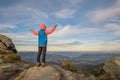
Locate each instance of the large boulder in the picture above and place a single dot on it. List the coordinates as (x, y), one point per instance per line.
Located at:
(112, 67)
(6, 45)
(52, 73)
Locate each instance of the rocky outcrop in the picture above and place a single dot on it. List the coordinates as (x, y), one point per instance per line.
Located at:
(10, 63)
(9, 68)
(52, 73)
(112, 67)
(6, 45)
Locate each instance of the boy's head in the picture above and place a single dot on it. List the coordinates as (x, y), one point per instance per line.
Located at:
(42, 26)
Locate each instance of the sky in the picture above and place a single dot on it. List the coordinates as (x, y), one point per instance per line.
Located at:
(83, 25)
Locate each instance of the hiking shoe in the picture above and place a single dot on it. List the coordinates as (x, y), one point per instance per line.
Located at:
(43, 65)
(38, 64)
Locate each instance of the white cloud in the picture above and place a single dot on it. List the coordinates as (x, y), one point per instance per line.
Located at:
(63, 31)
(38, 12)
(111, 26)
(114, 27)
(77, 31)
(114, 40)
(105, 14)
(101, 15)
(18, 35)
(114, 43)
(21, 15)
(21, 11)
(7, 26)
(22, 38)
(66, 43)
(69, 30)
(27, 42)
(65, 13)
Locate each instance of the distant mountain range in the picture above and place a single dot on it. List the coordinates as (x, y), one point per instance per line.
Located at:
(83, 61)
(87, 61)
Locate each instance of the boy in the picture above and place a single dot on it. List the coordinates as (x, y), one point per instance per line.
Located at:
(42, 42)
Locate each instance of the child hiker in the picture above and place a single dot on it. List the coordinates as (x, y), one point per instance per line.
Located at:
(42, 42)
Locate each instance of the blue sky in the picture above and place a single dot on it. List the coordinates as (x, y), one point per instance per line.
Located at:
(83, 25)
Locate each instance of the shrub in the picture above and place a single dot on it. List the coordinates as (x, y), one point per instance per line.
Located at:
(13, 56)
(68, 66)
(97, 71)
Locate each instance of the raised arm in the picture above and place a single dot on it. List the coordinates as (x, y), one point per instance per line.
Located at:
(51, 30)
(34, 32)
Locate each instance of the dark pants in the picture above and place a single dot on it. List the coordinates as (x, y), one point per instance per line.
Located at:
(41, 50)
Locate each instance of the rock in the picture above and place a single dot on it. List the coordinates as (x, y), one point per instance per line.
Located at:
(6, 45)
(52, 73)
(112, 67)
(1, 60)
(104, 76)
(1, 55)
(8, 67)
(10, 64)
(8, 71)
(23, 65)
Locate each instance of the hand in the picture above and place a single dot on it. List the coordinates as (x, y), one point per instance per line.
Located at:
(56, 25)
(31, 29)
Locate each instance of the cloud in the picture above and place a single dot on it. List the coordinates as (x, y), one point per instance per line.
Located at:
(76, 32)
(67, 44)
(65, 13)
(18, 35)
(21, 15)
(101, 15)
(71, 30)
(116, 20)
(117, 33)
(38, 12)
(113, 39)
(112, 42)
(63, 31)
(26, 42)
(105, 14)
(7, 26)
(113, 27)
(22, 38)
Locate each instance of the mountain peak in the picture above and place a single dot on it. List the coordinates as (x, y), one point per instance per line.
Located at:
(52, 73)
